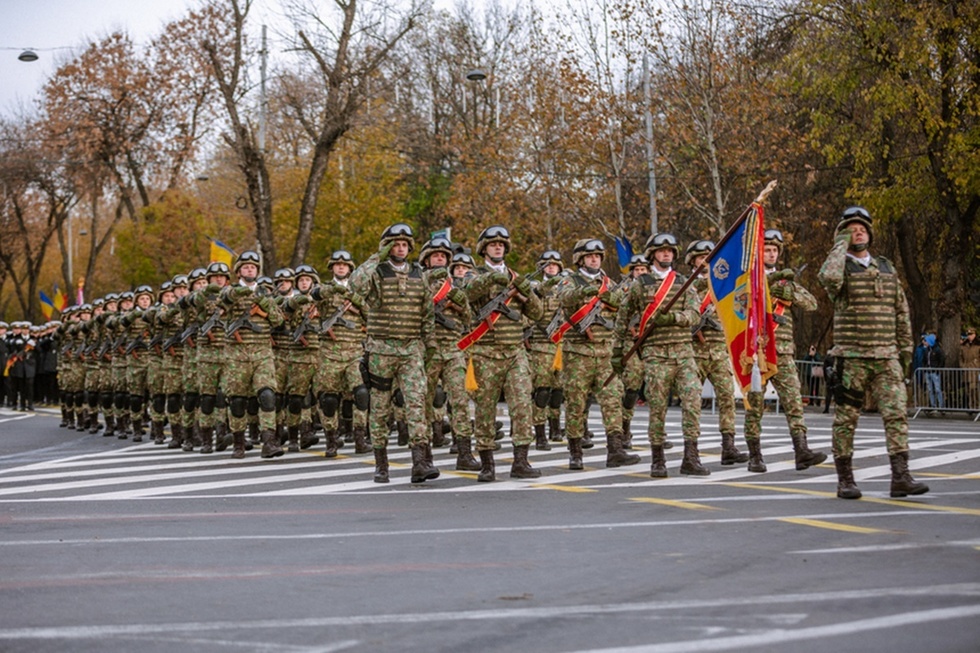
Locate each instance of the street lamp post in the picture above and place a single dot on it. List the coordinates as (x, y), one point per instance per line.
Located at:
(475, 75)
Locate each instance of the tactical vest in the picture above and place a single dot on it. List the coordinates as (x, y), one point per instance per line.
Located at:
(402, 306)
(664, 336)
(505, 333)
(865, 315)
(711, 330)
(539, 333)
(600, 334)
(242, 305)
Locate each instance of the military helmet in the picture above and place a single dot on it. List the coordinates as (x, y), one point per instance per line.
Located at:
(548, 257)
(398, 231)
(637, 260)
(217, 269)
(461, 259)
(180, 281)
(284, 274)
(661, 240)
(112, 297)
(84, 308)
(340, 256)
(196, 275)
(856, 214)
(305, 270)
(248, 256)
(437, 244)
(494, 234)
(127, 295)
(587, 246)
(143, 290)
(165, 287)
(4, 325)
(696, 249)
(265, 283)
(97, 302)
(774, 237)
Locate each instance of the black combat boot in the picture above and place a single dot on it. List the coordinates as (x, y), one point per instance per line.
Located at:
(846, 487)
(756, 463)
(627, 434)
(156, 433)
(804, 457)
(422, 467)
(294, 439)
(658, 465)
(402, 427)
(332, 437)
(238, 444)
(180, 438)
(616, 456)
(270, 444)
(223, 439)
(575, 454)
(207, 439)
(122, 426)
(587, 442)
(93, 427)
(361, 444)
(691, 465)
(66, 417)
(554, 430)
(521, 468)
(488, 470)
(110, 426)
(464, 456)
(438, 435)
(308, 437)
(729, 453)
(540, 439)
(381, 465)
(345, 431)
(138, 431)
(253, 432)
(902, 482)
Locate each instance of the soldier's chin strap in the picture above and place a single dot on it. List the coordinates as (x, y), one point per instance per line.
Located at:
(858, 247)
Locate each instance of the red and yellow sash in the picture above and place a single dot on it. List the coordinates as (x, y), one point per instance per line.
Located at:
(444, 289)
(579, 315)
(658, 299)
(484, 326)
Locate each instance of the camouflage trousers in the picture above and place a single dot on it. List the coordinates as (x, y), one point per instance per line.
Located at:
(883, 378)
(155, 377)
(188, 376)
(449, 370)
(508, 372)
(118, 374)
(300, 371)
(544, 375)
(137, 383)
(719, 372)
(632, 378)
(340, 377)
(787, 384)
(585, 375)
(249, 368)
(409, 370)
(666, 368)
(210, 370)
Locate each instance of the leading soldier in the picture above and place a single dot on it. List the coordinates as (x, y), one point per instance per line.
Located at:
(873, 347)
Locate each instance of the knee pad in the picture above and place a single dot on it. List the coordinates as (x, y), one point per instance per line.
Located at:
(266, 400)
(630, 399)
(208, 403)
(79, 399)
(238, 406)
(105, 400)
(252, 405)
(439, 398)
(92, 399)
(347, 409)
(136, 403)
(173, 403)
(541, 397)
(295, 404)
(362, 397)
(398, 398)
(120, 400)
(329, 402)
(191, 401)
(557, 397)
(159, 403)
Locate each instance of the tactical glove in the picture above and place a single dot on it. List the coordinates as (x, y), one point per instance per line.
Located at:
(664, 319)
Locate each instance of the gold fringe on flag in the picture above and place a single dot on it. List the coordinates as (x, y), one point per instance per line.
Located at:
(471, 384)
(556, 364)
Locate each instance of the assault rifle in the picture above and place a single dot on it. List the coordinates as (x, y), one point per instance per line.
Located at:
(136, 343)
(299, 335)
(337, 317)
(233, 328)
(155, 343)
(186, 334)
(105, 348)
(209, 324)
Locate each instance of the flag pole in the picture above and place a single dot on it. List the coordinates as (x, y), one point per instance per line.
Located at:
(663, 308)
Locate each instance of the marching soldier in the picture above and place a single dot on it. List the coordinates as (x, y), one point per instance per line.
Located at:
(138, 334)
(873, 346)
(714, 363)
(502, 298)
(284, 286)
(302, 353)
(103, 355)
(446, 367)
(117, 330)
(632, 375)
(667, 354)
(786, 293)
(400, 324)
(589, 300)
(155, 371)
(545, 378)
(193, 434)
(250, 314)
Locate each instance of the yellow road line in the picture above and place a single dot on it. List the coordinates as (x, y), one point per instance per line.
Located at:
(562, 488)
(687, 505)
(898, 503)
(970, 477)
(819, 523)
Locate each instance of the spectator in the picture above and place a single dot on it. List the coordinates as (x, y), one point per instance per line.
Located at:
(970, 361)
(814, 373)
(829, 380)
(932, 361)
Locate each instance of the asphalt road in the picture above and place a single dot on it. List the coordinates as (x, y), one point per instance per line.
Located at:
(110, 546)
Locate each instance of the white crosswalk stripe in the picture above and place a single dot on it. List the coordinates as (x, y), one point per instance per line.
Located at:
(147, 471)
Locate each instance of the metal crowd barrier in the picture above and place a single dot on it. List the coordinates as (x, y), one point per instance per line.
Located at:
(946, 389)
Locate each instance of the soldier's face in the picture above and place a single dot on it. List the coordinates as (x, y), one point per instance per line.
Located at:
(770, 254)
(200, 283)
(144, 301)
(592, 261)
(126, 305)
(495, 250)
(304, 283)
(438, 260)
(341, 270)
(552, 269)
(664, 257)
(284, 287)
(248, 271)
(221, 280)
(698, 260)
(859, 233)
(181, 291)
(459, 271)
(640, 270)
(168, 297)
(111, 307)
(400, 249)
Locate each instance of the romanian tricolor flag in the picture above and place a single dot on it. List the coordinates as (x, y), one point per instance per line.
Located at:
(737, 280)
(47, 306)
(60, 299)
(221, 253)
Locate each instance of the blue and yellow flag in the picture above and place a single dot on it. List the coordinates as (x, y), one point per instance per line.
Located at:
(47, 306)
(221, 253)
(624, 252)
(737, 281)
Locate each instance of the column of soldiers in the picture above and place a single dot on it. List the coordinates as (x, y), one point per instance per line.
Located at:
(223, 353)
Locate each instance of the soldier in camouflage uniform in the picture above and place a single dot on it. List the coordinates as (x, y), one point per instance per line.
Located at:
(92, 364)
(170, 320)
(250, 314)
(284, 287)
(668, 355)
(338, 375)
(499, 359)
(714, 362)
(545, 378)
(138, 334)
(72, 378)
(786, 293)
(588, 295)
(302, 354)
(120, 384)
(104, 355)
(400, 324)
(446, 368)
(191, 406)
(156, 370)
(873, 347)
